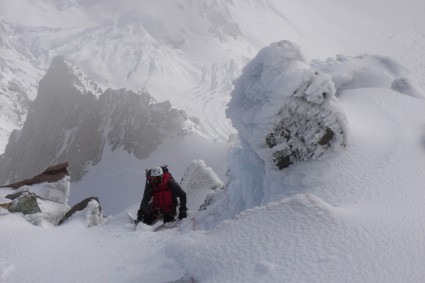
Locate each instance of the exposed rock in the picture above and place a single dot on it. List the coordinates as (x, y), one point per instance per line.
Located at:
(51, 174)
(16, 195)
(42, 199)
(93, 215)
(25, 202)
(56, 187)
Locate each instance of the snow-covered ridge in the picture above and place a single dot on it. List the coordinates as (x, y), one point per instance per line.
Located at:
(71, 120)
(82, 83)
(189, 52)
(134, 46)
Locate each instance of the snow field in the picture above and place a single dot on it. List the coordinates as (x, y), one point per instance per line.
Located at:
(356, 218)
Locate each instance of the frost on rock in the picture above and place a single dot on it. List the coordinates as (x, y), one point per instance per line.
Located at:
(199, 181)
(87, 211)
(57, 191)
(284, 109)
(94, 214)
(285, 112)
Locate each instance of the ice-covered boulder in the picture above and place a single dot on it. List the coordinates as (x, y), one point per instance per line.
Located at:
(199, 181)
(52, 184)
(284, 109)
(286, 113)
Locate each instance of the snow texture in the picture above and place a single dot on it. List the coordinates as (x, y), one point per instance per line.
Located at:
(199, 181)
(357, 209)
(352, 215)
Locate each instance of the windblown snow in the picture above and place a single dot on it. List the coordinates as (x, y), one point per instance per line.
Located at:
(322, 177)
(355, 206)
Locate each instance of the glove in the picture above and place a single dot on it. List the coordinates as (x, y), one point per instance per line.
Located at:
(182, 214)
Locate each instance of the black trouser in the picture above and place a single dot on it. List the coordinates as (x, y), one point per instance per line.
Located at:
(152, 214)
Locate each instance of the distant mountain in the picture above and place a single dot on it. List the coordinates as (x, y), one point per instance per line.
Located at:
(181, 52)
(73, 120)
(17, 87)
(185, 51)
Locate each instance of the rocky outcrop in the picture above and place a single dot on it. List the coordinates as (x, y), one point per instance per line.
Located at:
(43, 199)
(57, 184)
(25, 202)
(93, 215)
(73, 119)
(51, 174)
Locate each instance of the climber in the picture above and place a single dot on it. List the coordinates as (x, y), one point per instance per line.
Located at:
(160, 197)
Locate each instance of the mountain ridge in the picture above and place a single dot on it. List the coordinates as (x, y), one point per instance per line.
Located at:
(72, 119)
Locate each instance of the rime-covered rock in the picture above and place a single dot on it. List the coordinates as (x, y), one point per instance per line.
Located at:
(89, 209)
(199, 181)
(286, 113)
(53, 184)
(42, 199)
(284, 109)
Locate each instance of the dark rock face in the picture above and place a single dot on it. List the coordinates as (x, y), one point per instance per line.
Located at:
(78, 207)
(72, 119)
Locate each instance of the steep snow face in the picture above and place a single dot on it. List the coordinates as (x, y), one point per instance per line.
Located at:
(72, 120)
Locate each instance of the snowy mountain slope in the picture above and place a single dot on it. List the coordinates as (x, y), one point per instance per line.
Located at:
(16, 89)
(188, 52)
(358, 210)
(354, 216)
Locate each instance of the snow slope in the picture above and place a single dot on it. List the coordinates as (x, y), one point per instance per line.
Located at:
(350, 216)
(354, 215)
